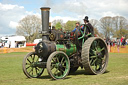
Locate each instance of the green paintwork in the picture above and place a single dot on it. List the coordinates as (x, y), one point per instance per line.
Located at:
(31, 69)
(97, 61)
(70, 51)
(83, 34)
(59, 67)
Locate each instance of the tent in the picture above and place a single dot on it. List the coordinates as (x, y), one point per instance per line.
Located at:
(14, 41)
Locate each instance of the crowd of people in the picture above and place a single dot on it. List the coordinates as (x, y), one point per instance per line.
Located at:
(119, 42)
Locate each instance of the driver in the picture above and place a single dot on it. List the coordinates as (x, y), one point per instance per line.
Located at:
(89, 27)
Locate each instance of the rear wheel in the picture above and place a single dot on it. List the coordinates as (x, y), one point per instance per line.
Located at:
(94, 56)
(58, 65)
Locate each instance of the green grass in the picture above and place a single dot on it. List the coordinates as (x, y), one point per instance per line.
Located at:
(116, 74)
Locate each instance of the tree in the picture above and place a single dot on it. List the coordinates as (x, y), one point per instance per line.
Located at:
(58, 26)
(94, 22)
(97, 33)
(54, 22)
(70, 25)
(106, 26)
(119, 22)
(124, 32)
(119, 25)
(29, 27)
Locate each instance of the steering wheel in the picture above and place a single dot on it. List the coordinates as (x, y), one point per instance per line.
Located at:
(79, 37)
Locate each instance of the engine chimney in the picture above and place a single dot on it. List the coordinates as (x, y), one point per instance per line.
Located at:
(45, 22)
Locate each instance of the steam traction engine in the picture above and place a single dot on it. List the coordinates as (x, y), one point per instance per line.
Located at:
(62, 53)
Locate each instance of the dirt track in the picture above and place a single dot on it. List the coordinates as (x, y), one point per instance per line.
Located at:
(9, 50)
(114, 49)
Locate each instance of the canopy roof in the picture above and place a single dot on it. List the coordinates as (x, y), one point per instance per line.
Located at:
(14, 38)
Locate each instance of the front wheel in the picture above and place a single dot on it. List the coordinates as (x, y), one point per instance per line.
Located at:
(58, 65)
(29, 69)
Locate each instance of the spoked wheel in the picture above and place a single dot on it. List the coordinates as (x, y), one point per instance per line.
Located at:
(58, 65)
(94, 56)
(29, 67)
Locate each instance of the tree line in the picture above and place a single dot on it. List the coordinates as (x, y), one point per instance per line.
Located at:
(106, 27)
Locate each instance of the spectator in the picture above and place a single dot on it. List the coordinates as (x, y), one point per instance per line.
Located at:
(123, 41)
(118, 44)
(126, 41)
(108, 41)
(0, 45)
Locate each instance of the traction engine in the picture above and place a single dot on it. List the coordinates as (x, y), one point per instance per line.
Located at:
(62, 53)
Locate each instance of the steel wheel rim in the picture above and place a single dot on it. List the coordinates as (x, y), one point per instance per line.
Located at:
(29, 68)
(59, 66)
(97, 57)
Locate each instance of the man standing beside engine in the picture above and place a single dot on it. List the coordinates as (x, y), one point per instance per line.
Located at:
(77, 25)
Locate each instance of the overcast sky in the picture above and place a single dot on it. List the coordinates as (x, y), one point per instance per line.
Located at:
(11, 11)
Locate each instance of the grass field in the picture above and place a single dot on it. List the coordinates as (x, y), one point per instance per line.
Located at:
(11, 72)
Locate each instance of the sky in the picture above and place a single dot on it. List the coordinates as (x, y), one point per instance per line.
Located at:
(12, 11)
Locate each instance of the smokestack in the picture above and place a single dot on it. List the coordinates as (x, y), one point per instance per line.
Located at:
(45, 22)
